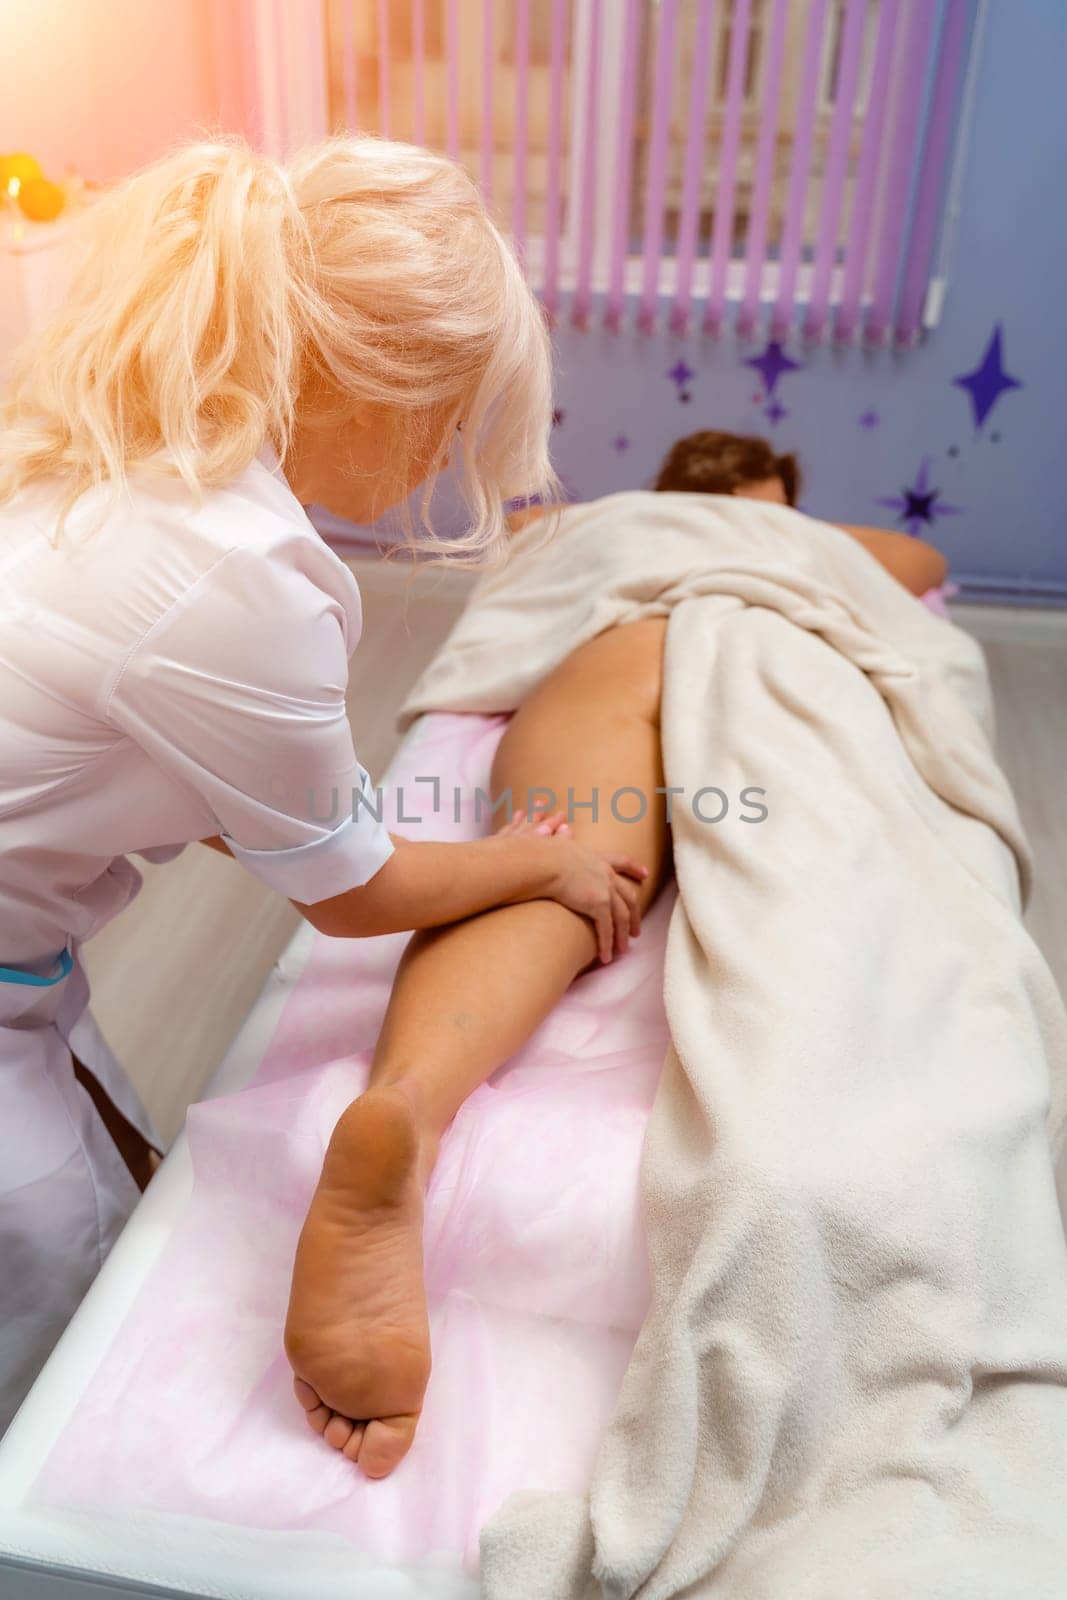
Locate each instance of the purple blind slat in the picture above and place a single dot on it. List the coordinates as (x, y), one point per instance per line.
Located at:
(624, 156)
(384, 117)
(894, 208)
(452, 84)
(796, 200)
(522, 124)
(836, 167)
(656, 181)
(418, 39)
(557, 53)
(911, 88)
(934, 161)
(866, 182)
(764, 173)
(488, 65)
(348, 63)
(583, 297)
(693, 171)
(722, 236)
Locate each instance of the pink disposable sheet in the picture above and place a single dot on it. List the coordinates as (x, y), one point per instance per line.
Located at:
(534, 1257)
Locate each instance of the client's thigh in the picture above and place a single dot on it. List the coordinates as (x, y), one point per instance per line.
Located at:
(467, 996)
(589, 734)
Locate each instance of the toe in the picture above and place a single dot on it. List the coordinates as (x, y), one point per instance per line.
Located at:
(305, 1394)
(318, 1417)
(352, 1448)
(337, 1432)
(386, 1442)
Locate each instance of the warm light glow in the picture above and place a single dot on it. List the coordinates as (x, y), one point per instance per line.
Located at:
(13, 187)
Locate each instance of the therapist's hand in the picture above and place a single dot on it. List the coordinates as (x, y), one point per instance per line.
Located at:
(427, 883)
(600, 886)
(617, 917)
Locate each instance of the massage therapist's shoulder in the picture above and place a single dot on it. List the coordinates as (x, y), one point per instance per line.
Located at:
(248, 546)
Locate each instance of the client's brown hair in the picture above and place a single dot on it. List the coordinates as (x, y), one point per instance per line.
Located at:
(720, 463)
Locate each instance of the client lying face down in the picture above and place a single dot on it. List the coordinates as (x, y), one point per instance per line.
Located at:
(468, 996)
(731, 463)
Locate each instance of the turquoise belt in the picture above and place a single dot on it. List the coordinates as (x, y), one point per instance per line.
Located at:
(15, 975)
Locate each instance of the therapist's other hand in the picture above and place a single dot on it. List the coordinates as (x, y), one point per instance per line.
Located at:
(601, 886)
(541, 823)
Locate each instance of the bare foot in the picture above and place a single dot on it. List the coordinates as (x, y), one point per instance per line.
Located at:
(357, 1334)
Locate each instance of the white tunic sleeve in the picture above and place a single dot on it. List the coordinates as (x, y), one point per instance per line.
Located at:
(238, 693)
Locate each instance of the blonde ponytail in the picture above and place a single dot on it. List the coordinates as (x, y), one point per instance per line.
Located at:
(216, 285)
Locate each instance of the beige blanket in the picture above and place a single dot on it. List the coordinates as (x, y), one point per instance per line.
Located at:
(852, 1382)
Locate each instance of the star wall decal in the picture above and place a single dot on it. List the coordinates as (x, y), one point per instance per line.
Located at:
(869, 420)
(920, 505)
(772, 365)
(775, 412)
(681, 376)
(620, 443)
(989, 380)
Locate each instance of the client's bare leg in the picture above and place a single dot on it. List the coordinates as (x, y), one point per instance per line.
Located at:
(465, 998)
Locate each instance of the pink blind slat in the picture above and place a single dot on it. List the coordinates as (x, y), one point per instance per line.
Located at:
(277, 109)
(384, 109)
(656, 182)
(488, 66)
(583, 296)
(866, 181)
(759, 219)
(693, 170)
(932, 173)
(418, 40)
(557, 61)
(314, 41)
(624, 156)
(723, 228)
(796, 199)
(911, 87)
(348, 63)
(452, 79)
(522, 124)
(836, 167)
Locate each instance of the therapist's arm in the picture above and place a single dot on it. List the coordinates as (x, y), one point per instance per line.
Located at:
(426, 884)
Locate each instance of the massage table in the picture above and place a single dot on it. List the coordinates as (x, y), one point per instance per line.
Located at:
(98, 1495)
(161, 1452)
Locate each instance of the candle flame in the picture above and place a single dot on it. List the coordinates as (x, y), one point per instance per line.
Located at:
(13, 187)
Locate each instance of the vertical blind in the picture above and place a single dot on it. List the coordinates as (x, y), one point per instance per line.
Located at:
(777, 163)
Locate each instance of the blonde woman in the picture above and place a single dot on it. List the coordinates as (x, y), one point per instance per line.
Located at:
(174, 636)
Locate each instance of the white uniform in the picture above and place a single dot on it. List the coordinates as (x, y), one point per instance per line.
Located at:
(179, 672)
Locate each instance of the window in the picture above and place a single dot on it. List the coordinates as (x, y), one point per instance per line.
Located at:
(781, 160)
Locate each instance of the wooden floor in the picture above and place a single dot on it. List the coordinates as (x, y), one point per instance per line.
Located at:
(174, 977)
